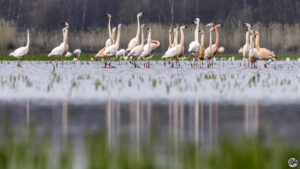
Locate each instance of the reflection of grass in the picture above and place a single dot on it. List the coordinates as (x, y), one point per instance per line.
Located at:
(250, 153)
(87, 57)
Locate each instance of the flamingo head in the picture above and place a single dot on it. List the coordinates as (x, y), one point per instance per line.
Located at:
(256, 33)
(108, 15)
(202, 32)
(211, 29)
(119, 26)
(197, 21)
(170, 31)
(149, 29)
(210, 25)
(183, 27)
(143, 25)
(248, 25)
(140, 14)
(67, 25)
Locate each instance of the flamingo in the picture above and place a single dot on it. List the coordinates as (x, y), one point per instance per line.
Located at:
(253, 52)
(194, 46)
(170, 38)
(180, 51)
(121, 53)
(265, 54)
(202, 48)
(138, 50)
(69, 54)
(110, 40)
(216, 48)
(246, 47)
(136, 40)
(112, 49)
(209, 53)
(77, 52)
(62, 49)
(172, 52)
(100, 53)
(22, 51)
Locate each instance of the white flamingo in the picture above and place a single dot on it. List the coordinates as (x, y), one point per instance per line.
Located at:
(62, 49)
(22, 51)
(209, 53)
(138, 50)
(172, 52)
(112, 50)
(136, 40)
(77, 52)
(246, 47)
(147, 49)
(194, 46)
(121, 53)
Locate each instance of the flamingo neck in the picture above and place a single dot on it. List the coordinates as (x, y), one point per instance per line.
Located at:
(174, 40)
(247, 38)
(170, 39)
(197, 33)
(138, 29)
(149, 39)
(109, 30)
(210, 40)
(202, 41)
(113, 36)
(28, 40)
(176, 37)
(217, 38)
(66, 37)
(251, 42)
(181, 38)
(142, 38)
(118, 37)
(257, 42)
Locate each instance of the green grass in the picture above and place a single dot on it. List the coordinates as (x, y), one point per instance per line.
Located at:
(247, 153)
(156, 57)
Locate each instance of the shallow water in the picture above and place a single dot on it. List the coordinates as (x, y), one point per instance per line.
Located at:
(228, 81)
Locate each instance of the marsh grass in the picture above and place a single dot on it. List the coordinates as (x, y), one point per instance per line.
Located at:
(280, 38)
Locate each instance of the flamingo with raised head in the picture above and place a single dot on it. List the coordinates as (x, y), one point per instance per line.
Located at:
(112, 49)
(22, 51)
(246, 47)
(100, 53)
(265, 54)
(209, 52)
(136, 52)
(172, 52)
(110, 40)
(202, 48)
(180, 51)
(62, 49)
(216, 48)
(136, 40)
(194, 46)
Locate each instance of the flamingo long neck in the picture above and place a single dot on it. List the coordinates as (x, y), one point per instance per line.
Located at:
(247, 38)
(118, 37)
(176, 38)
(142, 38)
(181, 37)
(28, 40)
(138, 29)
(170, 39)
(217, 37)
(197, 32)
(109, 30)
(202, 41)
(257, 42)
(149, 38)
(113, 36)
(210, 40)
(66, 37)
(251, 42)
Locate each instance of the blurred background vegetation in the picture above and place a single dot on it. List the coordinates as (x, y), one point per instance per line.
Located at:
(277, 20)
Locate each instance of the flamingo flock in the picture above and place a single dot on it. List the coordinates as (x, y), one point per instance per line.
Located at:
(137, 49)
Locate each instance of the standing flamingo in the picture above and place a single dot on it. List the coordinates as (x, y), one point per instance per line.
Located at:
(246, 47)
(136, 40)
(112, 49)
(216, 48)
(209, 53)
(22, 51)
(265, 54)
(147, 50)
(172, 52)
(253, 52)
(194, 46)
(62, 49)
(136, 52)
(100, 53)
(180, 51)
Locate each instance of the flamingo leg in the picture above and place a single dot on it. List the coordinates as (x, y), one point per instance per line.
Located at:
(56, 63)
(62, 61)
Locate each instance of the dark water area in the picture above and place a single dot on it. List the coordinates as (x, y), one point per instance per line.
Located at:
(198, 122)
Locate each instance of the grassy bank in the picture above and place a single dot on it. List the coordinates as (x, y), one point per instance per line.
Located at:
(87, 57)
(252, 153)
